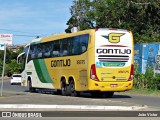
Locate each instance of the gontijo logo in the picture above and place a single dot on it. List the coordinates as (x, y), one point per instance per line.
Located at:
(114, 37)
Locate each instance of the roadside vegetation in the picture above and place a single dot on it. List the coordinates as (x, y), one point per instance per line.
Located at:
(11, 65)
(149, 80)
(147, 84)
(139, 16)
(144, 91)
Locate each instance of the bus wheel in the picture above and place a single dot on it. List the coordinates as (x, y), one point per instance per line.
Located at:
(31, 89)
(73, 92)
(63, 88)
(109, 94)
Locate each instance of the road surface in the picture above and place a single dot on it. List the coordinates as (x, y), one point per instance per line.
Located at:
(18, 95)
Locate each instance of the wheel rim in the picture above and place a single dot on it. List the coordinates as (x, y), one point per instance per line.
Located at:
(72, 87)
(63, 88)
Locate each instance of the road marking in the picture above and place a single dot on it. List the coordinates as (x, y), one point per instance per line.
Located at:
(80, 107)
(117, 101)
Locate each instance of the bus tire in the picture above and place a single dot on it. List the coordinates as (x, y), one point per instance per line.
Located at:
(109, 94)
(31, 89)
(73, 92)
(63, 87)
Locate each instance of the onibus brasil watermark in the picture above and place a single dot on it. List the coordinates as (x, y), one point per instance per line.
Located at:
(21, 114)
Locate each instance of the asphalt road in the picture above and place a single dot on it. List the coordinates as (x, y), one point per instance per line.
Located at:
(16, 94)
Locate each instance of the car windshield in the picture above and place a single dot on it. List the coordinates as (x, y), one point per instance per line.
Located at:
(16, 75)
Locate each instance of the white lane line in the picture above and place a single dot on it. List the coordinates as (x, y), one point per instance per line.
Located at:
(118, 101)
(81, 107)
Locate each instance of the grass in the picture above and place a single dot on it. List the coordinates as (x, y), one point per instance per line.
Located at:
(143, 91)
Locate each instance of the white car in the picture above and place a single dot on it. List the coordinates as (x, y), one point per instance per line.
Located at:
(16, 79)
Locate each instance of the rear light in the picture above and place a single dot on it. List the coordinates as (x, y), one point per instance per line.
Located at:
(112, 28)
(131, 73)
(96, 29)
(128, 31)
(93, 74)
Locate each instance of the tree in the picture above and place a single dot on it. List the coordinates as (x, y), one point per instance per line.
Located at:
(139, 16)
(79, 16)
(11, 63)
(13, 67)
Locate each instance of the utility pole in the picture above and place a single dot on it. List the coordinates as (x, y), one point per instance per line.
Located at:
(4, 61)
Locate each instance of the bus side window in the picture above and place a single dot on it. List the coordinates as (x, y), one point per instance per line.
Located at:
(70, 46)
(51, 50)
(83, 43)
(83, 48)
(47, 48)
(61, 51)
(39, 51)
(52, 43)
(33, 51)
(56, 48)
(76, 45)
(64, 47)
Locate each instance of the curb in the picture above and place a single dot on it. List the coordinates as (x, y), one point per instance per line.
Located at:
(78, 107)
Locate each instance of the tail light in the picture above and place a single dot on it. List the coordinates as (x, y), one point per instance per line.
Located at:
(93, 74)
(129, 31)
(131, 73)
(96, 29)
(112, 28)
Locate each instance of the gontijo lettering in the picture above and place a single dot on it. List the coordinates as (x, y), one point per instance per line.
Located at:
(60, 63)
(114, 51)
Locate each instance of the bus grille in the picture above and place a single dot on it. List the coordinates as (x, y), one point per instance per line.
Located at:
(113, 58)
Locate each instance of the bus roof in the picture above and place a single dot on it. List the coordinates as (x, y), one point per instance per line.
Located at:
(36, 40)
(67, 35)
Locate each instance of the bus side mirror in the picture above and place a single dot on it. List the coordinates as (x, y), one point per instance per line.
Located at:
(19, 57)
(18, 60)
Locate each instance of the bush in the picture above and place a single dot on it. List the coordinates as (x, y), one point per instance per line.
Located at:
(148, 80)
(13, 67)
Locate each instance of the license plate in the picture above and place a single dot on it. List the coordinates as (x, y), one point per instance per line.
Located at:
(113, 85)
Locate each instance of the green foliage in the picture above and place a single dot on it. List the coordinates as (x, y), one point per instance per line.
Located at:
(11, 63)
(1, 64)
(139, 16)
(79, 11)
(148, 80)
(13, 67)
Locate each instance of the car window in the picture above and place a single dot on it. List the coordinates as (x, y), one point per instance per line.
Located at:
(16, 75)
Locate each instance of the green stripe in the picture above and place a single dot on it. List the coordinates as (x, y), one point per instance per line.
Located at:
(42, 71)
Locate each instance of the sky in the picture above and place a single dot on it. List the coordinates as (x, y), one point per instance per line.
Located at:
(26, 19)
